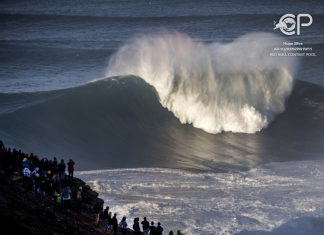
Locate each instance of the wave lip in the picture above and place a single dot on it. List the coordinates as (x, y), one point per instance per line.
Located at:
(217, 87)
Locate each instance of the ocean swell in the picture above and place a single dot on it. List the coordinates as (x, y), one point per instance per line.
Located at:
(217, 87)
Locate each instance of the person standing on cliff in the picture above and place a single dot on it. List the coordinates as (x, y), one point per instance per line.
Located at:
(26, 174)
(56, 184)
(25, 163)
(43, 183)
(110, 224)
(31, 162)
(61, 169)
(123, 225)
(97, 209)
(8, 159)
(36, 162)
(55, 166)
(66, 197)
(115, 223)
(80, 197)
(70, 168)
(146, 225)
(45, 166)
(33, 175)
(106, 211)
(152, 229)
(136, 226)
(16, 161)
(159, 229)
(9, 172)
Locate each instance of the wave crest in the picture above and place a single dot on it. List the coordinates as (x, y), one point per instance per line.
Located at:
(217, 87)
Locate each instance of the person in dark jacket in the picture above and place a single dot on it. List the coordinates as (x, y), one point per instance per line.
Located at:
(97, 209)
(56, 184)
(136, 226)
(36, 161)
(45, 166)
(70, 168)
(159, 229)
(152, 229)
(43, 185)
(50, 187)
(31, 162)
(9, 172)
(50, 166)
(41, 165)
(7, 159)
(61, 169)
(16, 165)
(106, 211)
(110, 223)
(55, 167)
(115, 223)
(146, 226)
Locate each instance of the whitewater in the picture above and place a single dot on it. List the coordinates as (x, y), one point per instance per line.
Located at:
(217, 87)
(275, 198)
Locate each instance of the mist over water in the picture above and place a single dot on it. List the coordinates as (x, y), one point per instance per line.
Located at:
(217, 87)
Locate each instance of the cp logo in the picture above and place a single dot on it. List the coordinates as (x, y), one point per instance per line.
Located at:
(287, 23)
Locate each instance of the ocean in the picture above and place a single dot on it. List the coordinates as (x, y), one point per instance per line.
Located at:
(174, 110)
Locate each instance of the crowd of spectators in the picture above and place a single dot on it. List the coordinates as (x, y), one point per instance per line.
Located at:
(41, 175)
(45, 177)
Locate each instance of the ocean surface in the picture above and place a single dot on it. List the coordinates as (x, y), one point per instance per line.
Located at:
(173, 110)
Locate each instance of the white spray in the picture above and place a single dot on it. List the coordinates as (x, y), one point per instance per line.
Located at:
(217, 87)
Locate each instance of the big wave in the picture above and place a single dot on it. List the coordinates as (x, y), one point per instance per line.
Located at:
(217, 87)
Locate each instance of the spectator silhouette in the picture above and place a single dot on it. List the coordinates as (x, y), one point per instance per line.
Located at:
(136, 226)
(152, 229)
(61, 169)
(159, 229)
(146, 226)
(115, 223)
(70, 168)
(97, 209)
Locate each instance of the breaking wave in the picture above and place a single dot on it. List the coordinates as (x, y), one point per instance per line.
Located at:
(217, 87)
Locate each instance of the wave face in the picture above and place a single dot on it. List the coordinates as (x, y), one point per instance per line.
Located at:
(119, 122)
(234, 87)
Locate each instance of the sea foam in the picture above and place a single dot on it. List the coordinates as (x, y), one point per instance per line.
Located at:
(276, 198)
